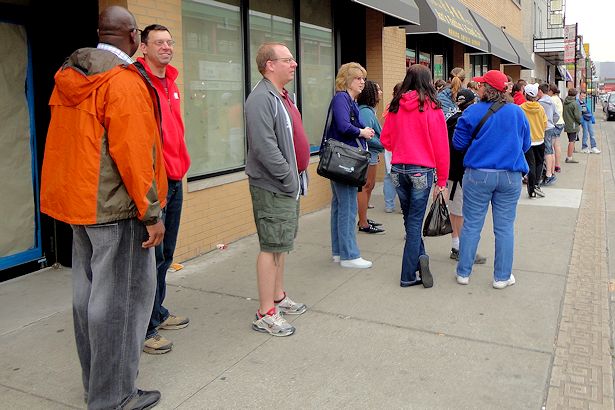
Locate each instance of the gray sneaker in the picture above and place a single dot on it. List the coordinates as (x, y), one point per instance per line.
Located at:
(288, 307)
(275, 325)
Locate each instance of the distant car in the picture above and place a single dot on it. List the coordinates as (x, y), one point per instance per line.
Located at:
(609, 109)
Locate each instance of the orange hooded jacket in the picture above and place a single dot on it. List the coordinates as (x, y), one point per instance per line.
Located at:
(103, 155)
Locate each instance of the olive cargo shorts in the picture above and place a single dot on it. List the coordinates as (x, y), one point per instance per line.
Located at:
(277, 219)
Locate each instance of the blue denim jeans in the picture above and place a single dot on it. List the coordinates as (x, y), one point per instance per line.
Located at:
(413, 184)
(588, 129)
(343, 221)
(114, 281)
(502, 190)
(171, 215)
(388, 189)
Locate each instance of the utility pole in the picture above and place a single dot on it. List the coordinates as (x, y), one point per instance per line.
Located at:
(576, 42)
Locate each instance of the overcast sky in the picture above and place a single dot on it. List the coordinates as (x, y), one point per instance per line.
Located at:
(596, 20)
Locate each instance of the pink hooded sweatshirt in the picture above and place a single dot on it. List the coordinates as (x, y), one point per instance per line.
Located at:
(417, 138)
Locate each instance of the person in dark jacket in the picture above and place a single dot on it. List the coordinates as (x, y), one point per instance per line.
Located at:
(347, 127)
(572, 121)
(465, 98)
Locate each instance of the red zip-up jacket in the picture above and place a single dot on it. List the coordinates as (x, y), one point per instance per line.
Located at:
(176, 158)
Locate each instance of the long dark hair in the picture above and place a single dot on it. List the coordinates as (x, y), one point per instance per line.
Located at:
(418, 78)
(369, 95)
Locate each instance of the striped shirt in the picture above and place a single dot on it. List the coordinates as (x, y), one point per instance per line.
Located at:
(122, 55)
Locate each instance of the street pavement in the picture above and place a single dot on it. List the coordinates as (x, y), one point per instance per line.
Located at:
(365, 342)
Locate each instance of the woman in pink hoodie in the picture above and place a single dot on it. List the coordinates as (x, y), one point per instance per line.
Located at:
(415, 132)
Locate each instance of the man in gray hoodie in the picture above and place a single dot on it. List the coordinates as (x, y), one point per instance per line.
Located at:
(278, 157)
(552, 117)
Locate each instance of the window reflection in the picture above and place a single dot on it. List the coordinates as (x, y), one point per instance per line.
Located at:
(316, 65)
(270, 21)
(214, 85)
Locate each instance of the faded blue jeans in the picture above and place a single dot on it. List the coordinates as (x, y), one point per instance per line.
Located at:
(343, 221)
(171, 215)
(388, 189)
(114, 280)
(413, 184)
(588, 130)
(502, 189)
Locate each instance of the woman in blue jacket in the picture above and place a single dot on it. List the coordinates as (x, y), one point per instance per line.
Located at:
(346, 126)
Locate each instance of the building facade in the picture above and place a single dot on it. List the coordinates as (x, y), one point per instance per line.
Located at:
(216, 45)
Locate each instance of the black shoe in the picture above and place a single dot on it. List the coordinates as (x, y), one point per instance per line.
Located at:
(454, 254)
(426, 276)
(539, 192)
(371, 229)
(373, 223)
(144, 399)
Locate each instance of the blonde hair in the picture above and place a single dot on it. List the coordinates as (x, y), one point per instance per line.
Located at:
(458, 76)
(265, 53)
(347, 73)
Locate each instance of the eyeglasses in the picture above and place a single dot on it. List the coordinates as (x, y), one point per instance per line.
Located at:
(287, 60)
(159, 43)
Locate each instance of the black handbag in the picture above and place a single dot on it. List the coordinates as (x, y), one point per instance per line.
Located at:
(341, 162)
(438, 221)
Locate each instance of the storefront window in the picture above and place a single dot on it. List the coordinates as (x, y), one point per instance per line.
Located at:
(214, 85)
(410, 57)
(438, 67)
(317, 67)
(425, 59)
(270, 21)
(480, 64)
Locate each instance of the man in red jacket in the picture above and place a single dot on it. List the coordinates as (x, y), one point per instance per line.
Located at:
(157, 48)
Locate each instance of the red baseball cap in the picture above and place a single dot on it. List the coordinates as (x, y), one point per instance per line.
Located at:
(494, 78)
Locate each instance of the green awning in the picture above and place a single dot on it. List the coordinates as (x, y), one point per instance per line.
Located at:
(405, 10)
(525, 59)
(449, 18)
(499, 45)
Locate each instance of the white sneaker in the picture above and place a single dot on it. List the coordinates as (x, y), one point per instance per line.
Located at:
(585, 151)
(504, 283)
(595, 150)
(463, 280)
(358, 263)
(336, 258)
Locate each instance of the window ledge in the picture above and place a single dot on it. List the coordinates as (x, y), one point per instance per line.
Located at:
(202, 184)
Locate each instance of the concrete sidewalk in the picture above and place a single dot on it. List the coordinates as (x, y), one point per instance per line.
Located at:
(364, 342)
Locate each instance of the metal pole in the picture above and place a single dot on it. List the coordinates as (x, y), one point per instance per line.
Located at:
(576, 39)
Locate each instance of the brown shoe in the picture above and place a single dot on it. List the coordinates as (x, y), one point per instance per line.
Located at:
(157, 345)
(174, 322)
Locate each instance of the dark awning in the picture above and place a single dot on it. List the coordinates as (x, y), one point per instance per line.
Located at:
(499, 45)
(405, 10)
(452, 19)
(525, 59)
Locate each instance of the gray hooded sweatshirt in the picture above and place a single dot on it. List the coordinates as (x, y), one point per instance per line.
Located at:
(271, 163)
(552, 115)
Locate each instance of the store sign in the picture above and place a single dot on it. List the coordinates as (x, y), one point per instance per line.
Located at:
(460, 25)
(570, 43)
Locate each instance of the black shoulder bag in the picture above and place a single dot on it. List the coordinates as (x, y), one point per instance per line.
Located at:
(341, 162)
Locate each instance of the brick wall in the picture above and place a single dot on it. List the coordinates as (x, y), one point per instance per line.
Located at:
(500, 13)
(386, 60)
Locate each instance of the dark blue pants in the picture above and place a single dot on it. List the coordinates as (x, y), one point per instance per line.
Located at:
(413, 184)
(171, 215)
